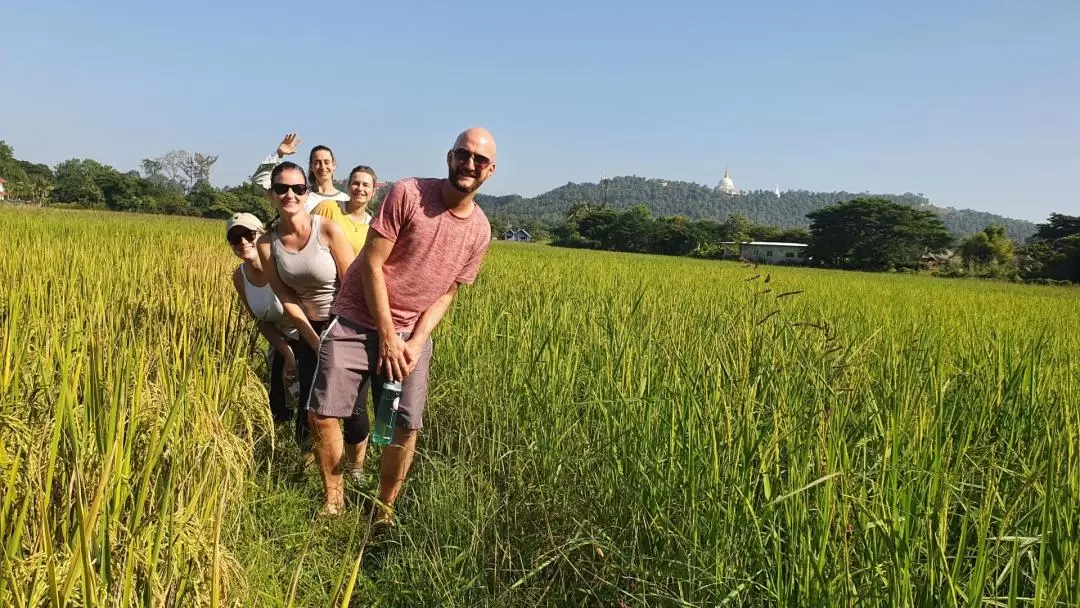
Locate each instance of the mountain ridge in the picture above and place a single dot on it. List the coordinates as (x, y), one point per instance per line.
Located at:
(695, 201)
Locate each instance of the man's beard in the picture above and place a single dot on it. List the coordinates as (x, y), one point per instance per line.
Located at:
(455, 175)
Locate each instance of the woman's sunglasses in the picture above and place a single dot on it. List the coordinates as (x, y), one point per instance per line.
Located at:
(462, 155)
(234, 238)
(280, 189)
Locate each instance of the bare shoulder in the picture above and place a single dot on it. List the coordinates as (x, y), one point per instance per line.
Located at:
(330, 229)
(238, 278)
(264, 240)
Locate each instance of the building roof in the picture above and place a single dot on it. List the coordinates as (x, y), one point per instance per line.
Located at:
(774, 244)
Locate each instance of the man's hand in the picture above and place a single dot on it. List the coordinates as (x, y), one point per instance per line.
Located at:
(393, 361)
(413, 348)
(288, 145)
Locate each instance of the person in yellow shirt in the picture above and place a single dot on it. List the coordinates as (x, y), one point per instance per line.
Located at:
(355, 218)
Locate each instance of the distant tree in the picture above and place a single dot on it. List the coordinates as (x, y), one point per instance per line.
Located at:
(539, 231)
(736, 228)
(633, 230)
(991, 245)
(874, 234)
(376, 201)
(225, 204)
(498, 225)
(1066, 263)
(10, 167)
(1054, 251)
(30, 182)
(595, 225)
(34, 190)
(202, 198)
(172, 166)
(152, 167)
(37, 171)
(122, 191)
(1058, 226)
(678, 235)
(179, 167)
(196, 168)
(247, 198)
(76, 183)
(783, 235)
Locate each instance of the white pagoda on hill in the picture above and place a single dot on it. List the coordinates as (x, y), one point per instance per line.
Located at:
(727, 185)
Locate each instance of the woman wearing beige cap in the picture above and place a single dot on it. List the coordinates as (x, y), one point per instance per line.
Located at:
(251, 284)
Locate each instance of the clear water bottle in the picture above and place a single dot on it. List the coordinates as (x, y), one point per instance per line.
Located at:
(386, 413)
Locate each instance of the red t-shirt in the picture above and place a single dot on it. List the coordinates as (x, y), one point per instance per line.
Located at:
(433, 248)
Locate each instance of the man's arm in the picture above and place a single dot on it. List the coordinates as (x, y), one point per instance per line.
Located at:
(285, 148)
(426, 324)
(377, 248)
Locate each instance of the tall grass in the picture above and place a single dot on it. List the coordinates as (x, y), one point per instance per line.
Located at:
(677, 432)
(604, 429)
(125, 418)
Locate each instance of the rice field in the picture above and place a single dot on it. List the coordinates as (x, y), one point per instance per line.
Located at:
(604, 430)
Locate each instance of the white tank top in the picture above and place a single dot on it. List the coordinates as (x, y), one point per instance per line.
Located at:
(311, 272)
(266, 306)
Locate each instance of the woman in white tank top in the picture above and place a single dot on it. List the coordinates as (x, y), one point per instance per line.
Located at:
(254, 290)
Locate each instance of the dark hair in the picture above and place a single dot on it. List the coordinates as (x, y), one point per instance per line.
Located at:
(286, 166)
(363, 169)
(311, 160)
(278, 170)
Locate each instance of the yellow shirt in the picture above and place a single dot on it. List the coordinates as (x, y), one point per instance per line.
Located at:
(356, 231)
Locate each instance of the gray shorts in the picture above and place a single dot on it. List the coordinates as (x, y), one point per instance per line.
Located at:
(347, 354)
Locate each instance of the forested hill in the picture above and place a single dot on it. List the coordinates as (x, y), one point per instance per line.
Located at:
(694, 201)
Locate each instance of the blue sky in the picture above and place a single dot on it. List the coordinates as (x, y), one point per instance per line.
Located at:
(974, 103)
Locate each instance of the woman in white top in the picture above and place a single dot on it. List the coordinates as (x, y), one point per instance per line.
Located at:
(320, 176)
(251, 284)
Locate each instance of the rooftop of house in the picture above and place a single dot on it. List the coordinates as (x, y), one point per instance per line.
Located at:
(773, 244)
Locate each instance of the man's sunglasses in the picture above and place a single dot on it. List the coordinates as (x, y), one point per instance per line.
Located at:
(235, 237)
(462, 155)
(280, 189)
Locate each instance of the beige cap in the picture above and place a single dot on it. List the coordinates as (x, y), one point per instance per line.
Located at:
(246, 220)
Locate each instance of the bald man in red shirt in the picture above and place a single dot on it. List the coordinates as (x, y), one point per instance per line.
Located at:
(428, 238)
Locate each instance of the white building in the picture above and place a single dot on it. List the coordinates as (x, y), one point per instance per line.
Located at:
(766, 252)
(727, 185)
